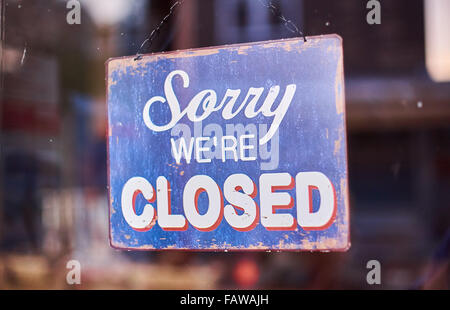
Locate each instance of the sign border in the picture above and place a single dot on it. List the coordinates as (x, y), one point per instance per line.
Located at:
(203, 51)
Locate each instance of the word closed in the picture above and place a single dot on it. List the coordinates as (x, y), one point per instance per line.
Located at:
(241, 147)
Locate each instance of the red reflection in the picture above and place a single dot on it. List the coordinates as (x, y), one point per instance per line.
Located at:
(246, 273)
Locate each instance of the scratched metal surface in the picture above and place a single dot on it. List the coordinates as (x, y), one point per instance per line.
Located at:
(312, 136)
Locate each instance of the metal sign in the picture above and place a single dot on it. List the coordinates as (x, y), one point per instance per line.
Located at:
(240, 147)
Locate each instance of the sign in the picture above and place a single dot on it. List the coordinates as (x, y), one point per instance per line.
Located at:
(240, 147)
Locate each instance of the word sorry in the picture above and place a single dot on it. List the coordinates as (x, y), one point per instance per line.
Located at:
(207, 99)
(239, 191)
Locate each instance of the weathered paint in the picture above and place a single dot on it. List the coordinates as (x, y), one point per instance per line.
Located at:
(312, 136)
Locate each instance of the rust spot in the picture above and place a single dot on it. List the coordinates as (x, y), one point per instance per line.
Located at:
(242, 50)
(258, 246)
(339, 86)
(324, 243)
(338, 142)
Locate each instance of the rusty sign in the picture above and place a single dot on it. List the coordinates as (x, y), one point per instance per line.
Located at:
(239, 147)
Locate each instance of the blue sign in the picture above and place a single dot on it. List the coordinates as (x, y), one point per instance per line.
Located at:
(240, 147)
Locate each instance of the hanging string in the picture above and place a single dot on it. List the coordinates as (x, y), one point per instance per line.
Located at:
(287, 22)
(156, 31)
(269, 5)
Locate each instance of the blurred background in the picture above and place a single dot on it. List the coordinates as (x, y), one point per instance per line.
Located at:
(53, 202)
